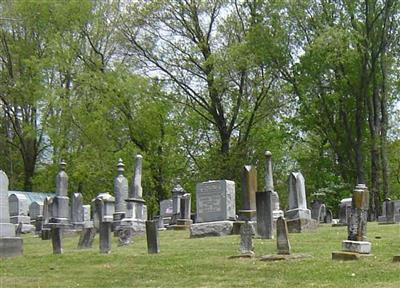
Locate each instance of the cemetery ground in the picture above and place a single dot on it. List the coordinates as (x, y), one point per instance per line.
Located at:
(204, 262)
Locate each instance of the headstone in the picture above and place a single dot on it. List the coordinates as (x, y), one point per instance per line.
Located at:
(186, 206)
(47, 215)
(177, 193)
(166, 208)
(60, 209)
(344, 211)
(86, 213)
(35, 210)
(136, 208)
(249, 188)
(160, 221)
(246, 240)
(105, 209)
(77, 212)
(390, 212)
(86, 238)
(125, 236)
(297, 198)
(264, 214)
(282, 239)
(215, 201)
(10, 245)
(121, 194)
(18, 205)
(56, 239)
(318, 211)
(153, 241)
(269, 186)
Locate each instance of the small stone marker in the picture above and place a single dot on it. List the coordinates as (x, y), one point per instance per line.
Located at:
(153, 241)
(264, 214)
(282, 240)
(10, 245)
(86, 238)
(125, 236)
(56, 239)
(246, 240)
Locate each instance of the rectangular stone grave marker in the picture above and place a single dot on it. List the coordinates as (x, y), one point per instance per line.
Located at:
(282, 239)
(215, 201)
(86, 238)
(153, 241)
(246, 240)
(264, 214)
(56, 239)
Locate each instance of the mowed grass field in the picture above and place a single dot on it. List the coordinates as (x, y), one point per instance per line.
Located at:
(204, 262)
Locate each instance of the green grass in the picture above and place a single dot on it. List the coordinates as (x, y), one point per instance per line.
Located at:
(204, 262)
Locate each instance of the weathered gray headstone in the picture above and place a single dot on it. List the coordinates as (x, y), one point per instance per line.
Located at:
(282, 239)
(125, 236)
(186, 206)
(104, 203)
(249, 188)
(121, 193)
(215, 201)
(264, 214)
(10, 245)
(77, 211)
(297, 198)
(344, 210)
(18, 204)
(269, 186)
(56, 239)
(166, 208)
(35, 209)
(153, 241)
(60, 209)
(246, 240)
(86, 238)
(177, 193)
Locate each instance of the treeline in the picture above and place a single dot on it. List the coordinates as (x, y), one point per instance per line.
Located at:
(201, 88)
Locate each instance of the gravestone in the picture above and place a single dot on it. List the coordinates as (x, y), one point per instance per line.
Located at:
(86, 238)
(249, 188)
(153, 241)
(390, 212)
(160, 221)
(166, 211)
(344, 211)
(298, 217)
(19, 210)
(56, 239)
(77, 212)
(10, 245)
(104, 207)
(215, 208)
(125, 236)
(35, 209)
(319, 211)
(59, 205)
(246, 240)
(356, 242)
(136, 208)
(86, 213)
(282, 240)
(269, 186)
(121, 194)
(47, 215)
(264, 214)
(177, 193)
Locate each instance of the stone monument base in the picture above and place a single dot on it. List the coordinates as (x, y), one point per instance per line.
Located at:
(298, 214)
(280, 257)
(11, 247)
(301, 225)
(181, 224)
(237, 224)
(137, 225)
(217, 228)
(20, 219)
(361, 247)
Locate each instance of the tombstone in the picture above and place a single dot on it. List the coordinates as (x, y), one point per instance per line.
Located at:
(344, 211)
(56, 239)
(264, 214)
(184, 221)
(125, 236)
(215, 201)
(100, 210)
(86, 238)
(249, 188)
(19, 210)
(318, 211)
(105, 210)
(86, 213)
(246, 240)
(282, 240)
(356, 242)
(160, 221)
(136, 208)
(10, 245)
(35, 210)
(60, 210)
(47, 215)
(77, 212)
(166, 211)
(177, 193)
(390, 212)
(269, 186)
(153, 241)
(121, 194)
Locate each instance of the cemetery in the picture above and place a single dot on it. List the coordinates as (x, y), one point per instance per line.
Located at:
(171, 143)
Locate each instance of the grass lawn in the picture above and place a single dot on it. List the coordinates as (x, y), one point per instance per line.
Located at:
(204, 262)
